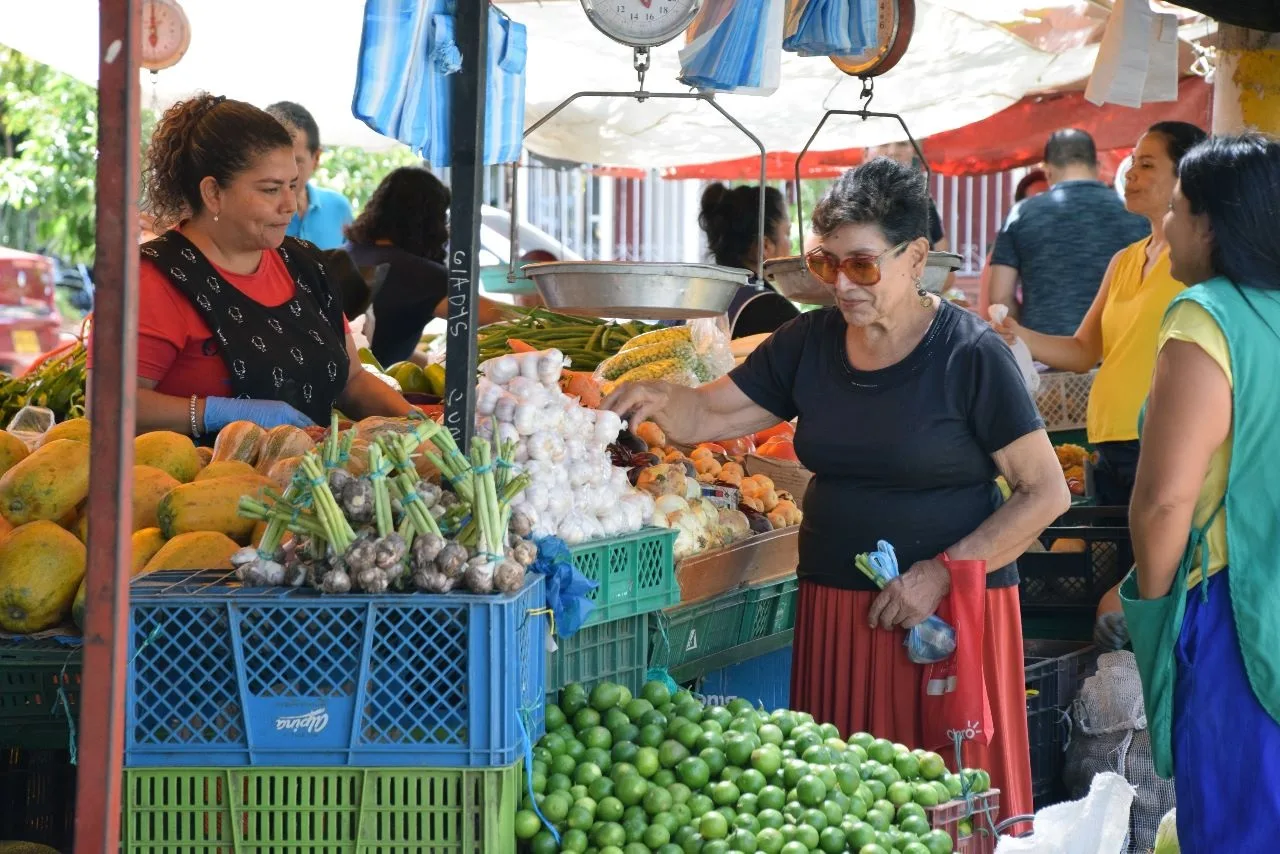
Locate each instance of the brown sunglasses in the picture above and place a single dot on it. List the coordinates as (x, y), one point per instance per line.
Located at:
(862, 270)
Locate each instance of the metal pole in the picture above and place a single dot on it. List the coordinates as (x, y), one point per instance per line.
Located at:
(112, 398)
(467, 171)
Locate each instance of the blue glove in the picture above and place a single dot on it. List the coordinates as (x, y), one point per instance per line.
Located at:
(221, 411)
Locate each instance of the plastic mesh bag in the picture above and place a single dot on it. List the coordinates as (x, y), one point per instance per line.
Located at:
(1109, 733)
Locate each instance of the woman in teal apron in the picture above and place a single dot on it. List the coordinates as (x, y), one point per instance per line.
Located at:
(1203, 602)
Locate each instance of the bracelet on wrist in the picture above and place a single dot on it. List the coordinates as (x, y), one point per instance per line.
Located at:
(196, 432)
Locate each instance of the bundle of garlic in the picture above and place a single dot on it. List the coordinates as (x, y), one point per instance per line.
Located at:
(574, 493)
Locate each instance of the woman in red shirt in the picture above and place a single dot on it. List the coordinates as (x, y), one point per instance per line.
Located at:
(235, 320)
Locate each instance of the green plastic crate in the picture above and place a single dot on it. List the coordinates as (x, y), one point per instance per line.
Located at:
(770, 609)
(636, 573)
(320, 810)
(616, 651)
(686, 634)
(39, 686)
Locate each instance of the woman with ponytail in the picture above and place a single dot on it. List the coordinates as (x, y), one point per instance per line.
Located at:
(730, 220)
(236, 321)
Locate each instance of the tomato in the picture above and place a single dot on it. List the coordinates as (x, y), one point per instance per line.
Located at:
(779, 448)
(739, 447)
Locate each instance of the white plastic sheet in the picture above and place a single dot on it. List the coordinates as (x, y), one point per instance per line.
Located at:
(1138, 61)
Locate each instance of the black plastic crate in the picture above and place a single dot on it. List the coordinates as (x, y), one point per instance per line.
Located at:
(1093, 554)
(1055, 670)
(37, 797)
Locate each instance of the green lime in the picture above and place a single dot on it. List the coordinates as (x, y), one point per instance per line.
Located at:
(766, 760)
(575, 749)
(638, 708)
(553, 717)
(925, 795)
(671, 753)
(932, 766)
(544, 843)
(708, 738)
(937, 842)
(886, 807)
(816, 819)
(795, 848)
(655, 836)
(834, 811)
(860, 834)
(667, 820)
(622, 769)
(663, 778)
(748, 805)
(771, 798)
(847, 779)
(738, 749)
(955, 786)
(944, 794)
(587, 773)
(585, 719)
(635, 827)
(915, 848)
(862, 739)
(610, 809)
(682, 814)
(837, 745)
(807, 836)
(917, 825)
(810, 790)
(831, 840)
(715, 760)
(881, 750)
(771, 734)
(555, 806)
(574, 842)
(719, 714)
(752, 781)
(553, 744)
(873, 848)
(731, 773)
(694, 772)
(908, 810)
(657, 800)
(654, 718)
(605, 696)
(527, 825)
(674, 724)
(725, 794)
(744, 841)
(739, 705)
(713, 825)
(875, 789)
(899, 794)
(623, 751)
(647, 762)
(600, 756)
(608, 833)
(656, 693)
(857, 807)
(631, 790)
(888, 775)
(580, 818)
(700, 805)
(680, 793)
(615, 717)
(804, 739)
(908, 766)
(670, 848)
(792, 771)
(688, 734)
(879, 819)
(769, 841)
(770, 818)
(650, 736)
(600, 789)
(567, 732)
(716, 846)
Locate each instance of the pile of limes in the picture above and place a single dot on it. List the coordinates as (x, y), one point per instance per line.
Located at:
(618, 774)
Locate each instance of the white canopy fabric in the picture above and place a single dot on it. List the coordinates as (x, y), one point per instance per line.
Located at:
(962, 67)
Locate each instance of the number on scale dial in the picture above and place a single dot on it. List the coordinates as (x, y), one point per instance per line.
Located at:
(166, 34)
(641, 23)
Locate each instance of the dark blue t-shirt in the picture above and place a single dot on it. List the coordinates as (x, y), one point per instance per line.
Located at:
(1061, 242)
(901, 454)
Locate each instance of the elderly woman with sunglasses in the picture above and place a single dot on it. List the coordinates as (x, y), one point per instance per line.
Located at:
(908, 408)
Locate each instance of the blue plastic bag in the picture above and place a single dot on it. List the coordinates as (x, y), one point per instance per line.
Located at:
(831, 27)
(567, 588)
(933, 640)
(735, 46)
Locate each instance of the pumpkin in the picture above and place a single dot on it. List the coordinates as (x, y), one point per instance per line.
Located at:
(239, 440)
(280, 443)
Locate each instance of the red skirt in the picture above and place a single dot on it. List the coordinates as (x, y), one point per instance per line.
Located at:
(860, 679)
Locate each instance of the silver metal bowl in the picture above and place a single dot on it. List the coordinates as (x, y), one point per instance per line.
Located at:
(937, 268)
(636, 290)
(793, 280)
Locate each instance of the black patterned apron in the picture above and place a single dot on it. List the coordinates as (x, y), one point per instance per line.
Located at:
(295, 352)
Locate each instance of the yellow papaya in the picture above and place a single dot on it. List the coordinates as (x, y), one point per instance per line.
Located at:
(170, 452)
(205, 454)
(150, 485)
(210, 505)
(12, 451)
(195, 550)
(75, 429)
(225, 468)
(48, 485)
(41, 567)
(145, 543)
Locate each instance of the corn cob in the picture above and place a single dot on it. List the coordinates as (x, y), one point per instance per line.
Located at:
(676, 370)
(670, 335)
(615, 366)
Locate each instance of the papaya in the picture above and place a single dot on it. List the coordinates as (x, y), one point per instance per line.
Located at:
(205, 454)
(76, 429)
(80, 528)
(145, 543)
(41, 567)
(280, 443)
(194, 550)
(239, 440)
(225, 468)
(281, 472)
(170, 452)
(12, 451)
(210, 505)
(47, 485)
(150, 485)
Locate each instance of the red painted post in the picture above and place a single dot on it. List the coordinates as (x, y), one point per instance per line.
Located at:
(112, 397)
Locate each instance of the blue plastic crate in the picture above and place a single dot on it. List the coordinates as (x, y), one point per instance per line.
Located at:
(221, 675)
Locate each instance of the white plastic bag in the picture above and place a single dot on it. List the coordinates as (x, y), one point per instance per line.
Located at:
(714, 348)
(1021, 352)
(30, 423)
(1098, 824)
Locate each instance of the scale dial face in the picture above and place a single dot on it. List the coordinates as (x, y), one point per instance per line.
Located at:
(641, 23)
(166, 34)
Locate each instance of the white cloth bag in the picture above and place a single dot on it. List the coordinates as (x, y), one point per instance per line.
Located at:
(1097, 824)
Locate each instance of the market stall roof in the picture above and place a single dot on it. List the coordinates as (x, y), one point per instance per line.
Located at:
(967, 61)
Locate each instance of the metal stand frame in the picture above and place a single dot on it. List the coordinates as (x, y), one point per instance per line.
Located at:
(641, 96)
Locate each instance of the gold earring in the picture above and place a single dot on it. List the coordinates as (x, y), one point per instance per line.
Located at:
(925, 300)
(215, 217)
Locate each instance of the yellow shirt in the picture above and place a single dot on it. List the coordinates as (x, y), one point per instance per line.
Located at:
(1131, 320)
(1189, 322)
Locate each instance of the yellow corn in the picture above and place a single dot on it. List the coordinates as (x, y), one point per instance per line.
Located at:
(675, 370)
(670, 335)
(619, 364)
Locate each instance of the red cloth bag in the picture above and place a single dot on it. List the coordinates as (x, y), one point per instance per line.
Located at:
(953, 692)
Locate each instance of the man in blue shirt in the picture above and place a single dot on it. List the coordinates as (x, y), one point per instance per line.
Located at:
(1061, 241)
(322, 214)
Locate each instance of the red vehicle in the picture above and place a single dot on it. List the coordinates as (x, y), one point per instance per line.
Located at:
(29, 321)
